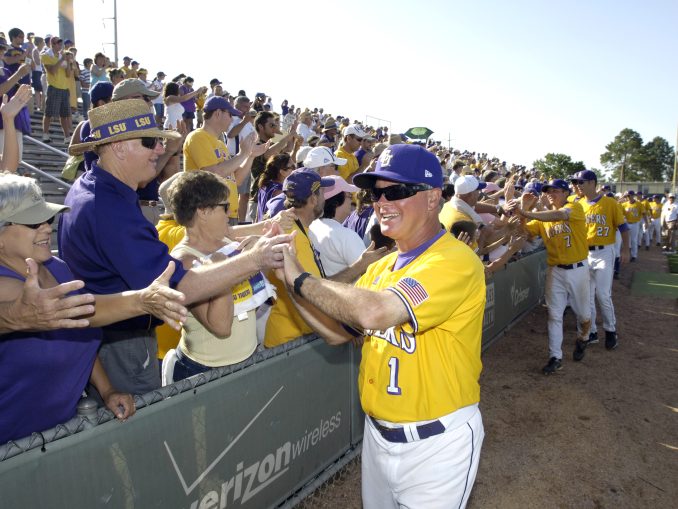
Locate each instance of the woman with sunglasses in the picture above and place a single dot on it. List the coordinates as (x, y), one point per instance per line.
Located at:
(271, 180)
(48, 370)
(215, 334)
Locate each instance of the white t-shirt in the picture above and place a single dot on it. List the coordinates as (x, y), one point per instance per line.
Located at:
(304, 131)
(246, 131)
(339, 246)
(173, 113)
(157, 86)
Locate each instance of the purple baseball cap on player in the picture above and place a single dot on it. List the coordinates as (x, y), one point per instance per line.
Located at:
(556, 184)
(584, 175)
(405, 164)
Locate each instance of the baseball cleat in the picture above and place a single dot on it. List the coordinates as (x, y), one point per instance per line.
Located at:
(553, 366)
(579, 350)
(593, 338)
(611, 340)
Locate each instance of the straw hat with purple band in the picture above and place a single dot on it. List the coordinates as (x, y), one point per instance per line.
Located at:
(32, 209)
(405, 164)
(119, 121)
(302, 183)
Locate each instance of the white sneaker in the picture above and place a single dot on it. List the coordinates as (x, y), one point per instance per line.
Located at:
(67, 140)
(46, 138)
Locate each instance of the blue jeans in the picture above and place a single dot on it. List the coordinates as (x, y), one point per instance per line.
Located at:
(186, 367)
(85, 103)
(159, 109)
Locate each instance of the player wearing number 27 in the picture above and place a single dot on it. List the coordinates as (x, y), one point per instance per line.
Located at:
(420, 311)
(604, 217)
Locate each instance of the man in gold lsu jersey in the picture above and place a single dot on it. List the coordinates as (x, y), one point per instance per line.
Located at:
(420, 312)
(563, 230)
(603, 219)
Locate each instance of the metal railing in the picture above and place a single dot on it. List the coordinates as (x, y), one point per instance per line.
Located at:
(40, 172)
(46, 146)
(45, 174)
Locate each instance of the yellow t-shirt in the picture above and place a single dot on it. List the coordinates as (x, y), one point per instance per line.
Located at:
(201, 150)
(285, 323)
(170, 233)
(565, 241)
(351, 166)
(429, 366)
(633, 211)
(58, 79)
(603, 218)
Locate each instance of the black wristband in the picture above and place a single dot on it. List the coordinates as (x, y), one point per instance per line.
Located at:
(300, 281)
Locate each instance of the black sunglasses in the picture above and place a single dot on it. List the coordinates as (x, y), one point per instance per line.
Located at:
(225, 205)
(149, 143)
(398, 191)
(577, 182)
(35, 226)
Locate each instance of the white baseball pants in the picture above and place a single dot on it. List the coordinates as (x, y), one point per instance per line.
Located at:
(601, 270)
(437, 472)
(634, 237)
(563, 285)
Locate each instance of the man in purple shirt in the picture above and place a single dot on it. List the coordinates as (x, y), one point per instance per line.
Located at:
(111, 246)
(189, 105)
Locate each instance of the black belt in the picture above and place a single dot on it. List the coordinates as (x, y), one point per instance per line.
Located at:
(149, 203)
(571, 266)
(594, 248)
(398, 435)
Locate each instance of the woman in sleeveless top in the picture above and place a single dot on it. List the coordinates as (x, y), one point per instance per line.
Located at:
(271, 180)
(211, 336)
(45, 372)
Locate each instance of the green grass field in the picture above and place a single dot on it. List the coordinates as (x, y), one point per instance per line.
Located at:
(656, 284)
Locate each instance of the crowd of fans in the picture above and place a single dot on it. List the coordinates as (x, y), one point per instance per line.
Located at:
(173, 175)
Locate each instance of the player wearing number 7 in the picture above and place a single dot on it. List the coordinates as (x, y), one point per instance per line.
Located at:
(420, 310)
(603, 218)
(563, 230)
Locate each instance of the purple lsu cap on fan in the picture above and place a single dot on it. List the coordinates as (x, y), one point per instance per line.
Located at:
(405, 164)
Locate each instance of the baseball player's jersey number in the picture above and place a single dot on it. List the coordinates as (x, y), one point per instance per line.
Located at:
(393, 388)
(602, 231)
(568, 242)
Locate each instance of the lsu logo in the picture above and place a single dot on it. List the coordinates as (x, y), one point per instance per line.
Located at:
(385, 158)
(143, 122)
(117, 128)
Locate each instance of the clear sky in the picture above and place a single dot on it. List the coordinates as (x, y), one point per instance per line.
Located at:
(515, 79)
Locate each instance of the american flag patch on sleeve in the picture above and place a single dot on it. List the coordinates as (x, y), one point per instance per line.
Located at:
(413, 289)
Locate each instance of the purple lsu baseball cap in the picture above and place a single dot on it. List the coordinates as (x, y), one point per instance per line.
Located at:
(405, 164)
(534, 188)
(302, 183)
(556, 184)
(584, 175)
(219, 103)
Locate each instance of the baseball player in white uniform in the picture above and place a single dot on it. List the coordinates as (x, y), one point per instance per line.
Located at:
(420, 312)
(563, 230)
(603, 218)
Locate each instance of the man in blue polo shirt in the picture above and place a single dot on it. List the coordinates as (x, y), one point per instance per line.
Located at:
(111, 246)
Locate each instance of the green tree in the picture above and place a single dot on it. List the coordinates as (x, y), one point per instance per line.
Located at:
(558, 166)
(624, 156)
(656, 160)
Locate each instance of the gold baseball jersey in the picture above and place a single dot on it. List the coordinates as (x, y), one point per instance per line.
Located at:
(565, 241)
(655, 210)
(427, 367)
(633, 211)
(603, 218)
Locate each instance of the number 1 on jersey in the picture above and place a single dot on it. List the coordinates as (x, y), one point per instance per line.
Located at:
(393, 388)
